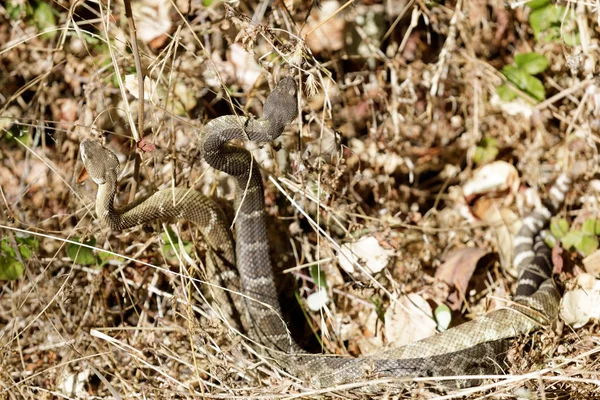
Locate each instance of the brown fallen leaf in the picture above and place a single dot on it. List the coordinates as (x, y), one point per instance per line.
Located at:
(457, 270)
(504, 223)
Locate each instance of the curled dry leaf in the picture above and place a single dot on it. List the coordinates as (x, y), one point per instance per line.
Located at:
(457, 270)
(367, 251)
(504, 223)
(409, 319)
(582, 303)
(493, 178)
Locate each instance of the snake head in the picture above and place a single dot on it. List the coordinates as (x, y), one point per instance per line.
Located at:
(100, 162)
(281, 106)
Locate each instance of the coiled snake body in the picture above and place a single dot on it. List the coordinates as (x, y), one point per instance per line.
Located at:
(471, 348)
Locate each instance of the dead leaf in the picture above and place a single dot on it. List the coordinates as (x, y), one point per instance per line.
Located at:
(495, 179)
(581, 304)
(409, 319)
(366, 250)
(504, 223)
(152, 19)
(151, 89)
(457, 270)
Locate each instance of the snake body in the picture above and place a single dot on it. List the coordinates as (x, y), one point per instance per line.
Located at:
(471, 348)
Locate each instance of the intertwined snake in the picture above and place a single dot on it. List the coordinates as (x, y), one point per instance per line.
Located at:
(471, 348)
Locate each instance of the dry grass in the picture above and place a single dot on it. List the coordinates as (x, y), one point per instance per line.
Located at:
(386, 137)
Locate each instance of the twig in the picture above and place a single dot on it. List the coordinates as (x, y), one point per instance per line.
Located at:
(140, 76)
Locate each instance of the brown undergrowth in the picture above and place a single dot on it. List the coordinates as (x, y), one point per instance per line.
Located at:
(399, 110)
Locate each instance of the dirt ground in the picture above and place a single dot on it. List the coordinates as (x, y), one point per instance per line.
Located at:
(426, 131)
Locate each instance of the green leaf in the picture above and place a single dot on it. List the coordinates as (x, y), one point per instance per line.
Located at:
(318, 276)
(486, 151)
(546, 23)
(532, 63)
(82, 255)
(516, 75)
(6, 248)
(535, 4)
(559, 227)
(170, 250)
(376, 301)
(43, 16)
(18, 134)
(539, 21)
(591, 226)
(572, 239)
(104, 257)
(25, 251)
(524, 81)
(535, 87)
(544, 18)
(27, 244)
(550, 241)
(10, 268)
(587, 245)
(571, 39)
(16, 10)
(506, 93)
(169, 236)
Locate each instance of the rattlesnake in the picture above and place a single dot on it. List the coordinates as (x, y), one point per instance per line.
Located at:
(471, 348)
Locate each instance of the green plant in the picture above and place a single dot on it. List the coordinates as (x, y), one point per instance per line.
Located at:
(81, 254)
(16, 9)
(521, 75)
(583, 239)
(552, 23)
(318, 276)
(18, 134)
(10, 266)
(486, 150)
(171, 245)
(44, 18)
(41, 13)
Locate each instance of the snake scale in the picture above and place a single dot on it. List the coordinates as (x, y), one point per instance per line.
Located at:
(471, 348)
